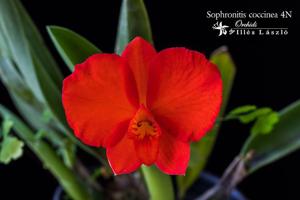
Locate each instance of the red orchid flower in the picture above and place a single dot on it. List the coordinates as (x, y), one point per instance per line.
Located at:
(144, 107)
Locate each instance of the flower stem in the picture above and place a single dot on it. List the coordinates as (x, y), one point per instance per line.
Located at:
(159, 185)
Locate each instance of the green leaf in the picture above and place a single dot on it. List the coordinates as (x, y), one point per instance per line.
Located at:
(26, 50)
(25, 100)
(72, 47)
(3, 44)
(202, 149)
(248, 113)
(222, 58)
(11, 149)
(17, 45)
(282, 140)
(264, 118)
(241, 110)
(29, 107)
(22, 40)
(66, 177)
(67, 151)
(247, 118)
(133, 21)
(38, 47)
(46, 116)
(265, 123)
(6, 127)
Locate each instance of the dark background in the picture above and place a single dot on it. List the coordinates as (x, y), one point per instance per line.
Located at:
(267, 75)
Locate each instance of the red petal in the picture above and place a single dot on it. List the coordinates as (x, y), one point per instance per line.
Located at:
(184, 92)
(145, 131)
(173, 156)
(147, 150)
(122, 157)
(95, 100)
(138, 54)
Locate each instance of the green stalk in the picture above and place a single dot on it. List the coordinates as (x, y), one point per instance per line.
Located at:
(66, 177)
(159, 185)
(99, 154)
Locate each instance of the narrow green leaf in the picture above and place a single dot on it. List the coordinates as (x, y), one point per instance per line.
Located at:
(247, 118)
(66, 177)
(222, 58)
(241, 110)
(3, 45)
(264, 118)
(11, 149)
(40, 134)
(67, 151)
(38, 47)
(22, 40)
(202, 149)
(72, 47)
(50, 92)
(24, 47)
(265, 123)
(282, 140)
(6, 127)
(29, 107)
(133, 21)
(46, 116)
(13, 32)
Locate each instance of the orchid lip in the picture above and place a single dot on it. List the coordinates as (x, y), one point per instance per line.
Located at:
(143, 125)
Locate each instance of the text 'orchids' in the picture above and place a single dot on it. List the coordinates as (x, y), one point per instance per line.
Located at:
(144, 107)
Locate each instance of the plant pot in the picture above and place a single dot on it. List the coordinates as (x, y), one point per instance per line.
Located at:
(205, 182)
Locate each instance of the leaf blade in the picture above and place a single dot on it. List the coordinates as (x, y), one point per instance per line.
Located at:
(28, 106)
(241, 110)
(39, 47)
(22, 44)
(65, 176)
(133, 21)
(265, 123)
(283, 139)
(72, 47)
(11, 149)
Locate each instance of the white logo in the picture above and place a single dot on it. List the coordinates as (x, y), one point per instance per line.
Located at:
(221, 28)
